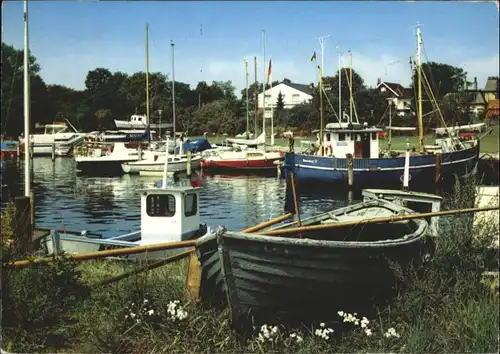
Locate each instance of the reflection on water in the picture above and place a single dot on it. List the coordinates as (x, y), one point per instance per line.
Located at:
(111, 205)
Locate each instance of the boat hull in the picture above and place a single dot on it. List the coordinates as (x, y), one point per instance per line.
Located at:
(241, 164)
(101, 166)
(382, 171)
(291, 281)
(138, 166)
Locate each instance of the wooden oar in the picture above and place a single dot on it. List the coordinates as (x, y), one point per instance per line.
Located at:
(267, 223)
(374, 221)
(108, 253)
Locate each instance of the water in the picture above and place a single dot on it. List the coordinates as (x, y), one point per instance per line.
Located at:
(111, 205)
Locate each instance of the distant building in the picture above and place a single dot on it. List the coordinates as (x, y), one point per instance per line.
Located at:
(399, 95)
(293, 94)
(490, 92)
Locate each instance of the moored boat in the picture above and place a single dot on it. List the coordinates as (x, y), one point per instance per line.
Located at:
(246, 160)
(156, 163)
(270, 279)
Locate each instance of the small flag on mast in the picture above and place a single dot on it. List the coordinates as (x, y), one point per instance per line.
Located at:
(313, 58)
(269, 72)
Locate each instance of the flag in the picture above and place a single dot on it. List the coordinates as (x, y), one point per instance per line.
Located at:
(313, 58)
(269, 72)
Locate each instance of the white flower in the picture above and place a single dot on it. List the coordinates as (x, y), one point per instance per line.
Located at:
(299, 339)
(322, 324)
(341, 313)
(132, 315)
(293, 335)
(151, 312)
(391, 332)
(146, 301)
(368, 332)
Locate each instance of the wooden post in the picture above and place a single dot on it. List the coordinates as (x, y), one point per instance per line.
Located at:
(31, 148)
(437, 178)
(22, 225)
(139, 151)
(56, 245)
(193, 280)
(53, 151)
(18, 148)
(350, 176)
(295, 201)
(188, 163)
(32, 209)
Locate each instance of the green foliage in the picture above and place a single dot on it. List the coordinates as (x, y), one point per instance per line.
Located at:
(38, 305)
(116, 95)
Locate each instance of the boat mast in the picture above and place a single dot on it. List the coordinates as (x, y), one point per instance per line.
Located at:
(173, 96)
(340, 84)
(321, 110)
(350, 87)
(27, 160)
(256, 95)
(147, 73)
(246, 85)
(264, 84)
(320, 84)
(419, 75)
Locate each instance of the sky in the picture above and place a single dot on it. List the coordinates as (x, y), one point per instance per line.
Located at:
(212, 39)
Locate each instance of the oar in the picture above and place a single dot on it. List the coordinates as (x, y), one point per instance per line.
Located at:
(375, 221)
(267, 223)
(108, 253)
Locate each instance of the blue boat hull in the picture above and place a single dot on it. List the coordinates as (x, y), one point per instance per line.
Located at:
(381, 171)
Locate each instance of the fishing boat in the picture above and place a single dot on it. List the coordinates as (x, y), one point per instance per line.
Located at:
(371, 168)
(311, 276)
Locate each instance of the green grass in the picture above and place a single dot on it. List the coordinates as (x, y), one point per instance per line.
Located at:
(489, 142)
(444, 307)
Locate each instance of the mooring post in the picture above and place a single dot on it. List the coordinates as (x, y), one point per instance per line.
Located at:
(406, 172)
(22, 225)
(139, 151)
(350, 176)
(31, 148)
(18, 149)
(32, 209)
(56, 244)
(53, 151)
(193, 280)
(437, 178)
(188, 163)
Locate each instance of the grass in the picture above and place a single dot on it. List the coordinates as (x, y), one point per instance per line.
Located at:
(489, 142)
(442, 307)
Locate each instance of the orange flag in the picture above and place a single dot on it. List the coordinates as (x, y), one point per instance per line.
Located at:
(269, 72)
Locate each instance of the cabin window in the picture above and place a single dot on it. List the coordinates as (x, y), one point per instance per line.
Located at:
(341, 136)
(160, 205)
(328, 137)
(190, 204)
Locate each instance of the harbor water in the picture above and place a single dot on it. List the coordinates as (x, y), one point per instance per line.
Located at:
(110, 206)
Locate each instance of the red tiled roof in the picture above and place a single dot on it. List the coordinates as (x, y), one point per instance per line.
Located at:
(493, 109)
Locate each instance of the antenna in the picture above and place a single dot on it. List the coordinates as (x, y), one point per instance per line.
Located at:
(321, 43)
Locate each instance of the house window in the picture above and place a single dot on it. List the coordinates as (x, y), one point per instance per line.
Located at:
(160, 205)
(268, 96)
(190, 204)
(341, 136)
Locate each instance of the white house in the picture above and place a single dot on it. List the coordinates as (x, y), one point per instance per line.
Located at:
(293, 94)
(399, 95)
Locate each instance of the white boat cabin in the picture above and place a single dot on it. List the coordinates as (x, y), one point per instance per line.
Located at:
(340, 139)
(169, 215)
(54, 128)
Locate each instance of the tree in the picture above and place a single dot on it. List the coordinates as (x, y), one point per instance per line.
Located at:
(12, 91)
(279, 103)
(441, 79)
